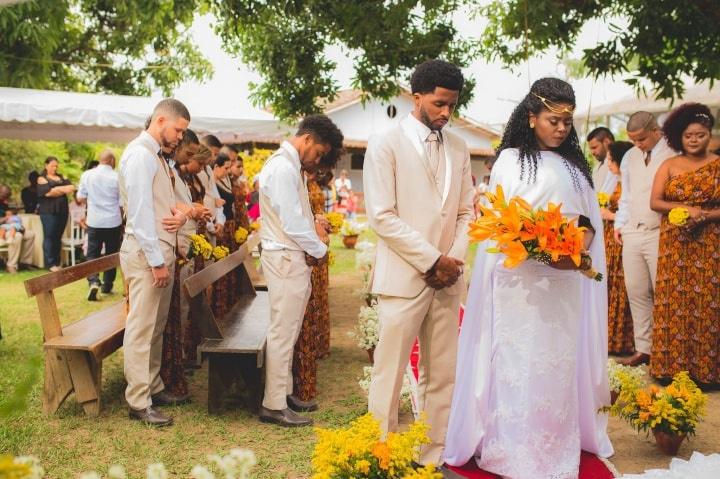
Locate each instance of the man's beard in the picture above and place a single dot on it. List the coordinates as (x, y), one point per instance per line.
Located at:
(425, 118)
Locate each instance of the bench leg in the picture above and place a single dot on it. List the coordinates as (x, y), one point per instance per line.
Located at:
(57, 384)
(86, 375)
(253, 378)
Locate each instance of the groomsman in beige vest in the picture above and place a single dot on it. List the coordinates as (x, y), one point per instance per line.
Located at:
(418, 197)
(637, 227)
(147, 256)
(290, 247)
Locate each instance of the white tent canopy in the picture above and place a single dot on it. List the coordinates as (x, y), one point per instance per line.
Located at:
(67, 116)
(701, 93)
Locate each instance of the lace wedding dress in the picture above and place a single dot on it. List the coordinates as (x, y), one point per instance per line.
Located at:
(531, 371)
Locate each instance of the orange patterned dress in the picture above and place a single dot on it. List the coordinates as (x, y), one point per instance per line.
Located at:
(620, 325)
(314, 339)
(686, 318)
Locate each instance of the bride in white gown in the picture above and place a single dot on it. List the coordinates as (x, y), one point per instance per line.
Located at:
(531, 370)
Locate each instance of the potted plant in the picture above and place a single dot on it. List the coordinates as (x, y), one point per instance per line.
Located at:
(350, 231)
(619, 375)
(367, 331)
(671, 413)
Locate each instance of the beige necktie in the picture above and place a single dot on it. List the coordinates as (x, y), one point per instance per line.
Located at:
(437, 162)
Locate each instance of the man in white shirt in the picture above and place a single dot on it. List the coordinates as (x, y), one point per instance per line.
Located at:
(290, 246)
(343, 187)
(147, 256)
(99, 189)
(637, 227)
(599, 140)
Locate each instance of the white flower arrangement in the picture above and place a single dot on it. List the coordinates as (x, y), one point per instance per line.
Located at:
(235, 465)
(616, 370)
(33, 463)
(367, 330)
(364, 256)
(405, 391)
(351, 228)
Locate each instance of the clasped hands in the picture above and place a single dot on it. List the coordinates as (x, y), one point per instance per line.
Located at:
(444, 273)
(182, 212)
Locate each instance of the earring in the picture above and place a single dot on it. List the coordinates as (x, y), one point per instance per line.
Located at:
(532, 124)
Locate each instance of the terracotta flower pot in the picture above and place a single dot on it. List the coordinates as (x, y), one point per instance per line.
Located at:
(371, 355)
(668, 443)
(350, 241)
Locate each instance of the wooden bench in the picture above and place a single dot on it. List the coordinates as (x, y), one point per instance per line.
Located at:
(74, 353)
(233, 344)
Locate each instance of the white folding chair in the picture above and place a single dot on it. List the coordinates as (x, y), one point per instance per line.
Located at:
(76, 239)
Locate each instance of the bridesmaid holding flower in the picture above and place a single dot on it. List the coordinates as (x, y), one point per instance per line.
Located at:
(687, 293)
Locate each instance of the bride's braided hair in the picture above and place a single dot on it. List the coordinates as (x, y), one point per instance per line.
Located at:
(518, 133)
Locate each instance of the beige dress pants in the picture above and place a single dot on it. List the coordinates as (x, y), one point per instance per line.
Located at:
(288, 282)
(432, 317)
(640, 256)
(20, 249)
(146, 320)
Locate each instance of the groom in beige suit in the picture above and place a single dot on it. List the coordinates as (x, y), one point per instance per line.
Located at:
(418, 196)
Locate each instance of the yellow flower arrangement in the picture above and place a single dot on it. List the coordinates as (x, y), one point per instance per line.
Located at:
(336, 221)
(219, 252)
(603, 199)
(200, 246)
(253, 163)
(358, 452)
(676, 409)
(254, 226)
(241, 235)
(678, 216)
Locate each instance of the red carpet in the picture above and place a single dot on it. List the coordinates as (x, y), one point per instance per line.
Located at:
(590, 468)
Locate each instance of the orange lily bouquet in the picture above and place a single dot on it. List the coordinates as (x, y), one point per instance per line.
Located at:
(522, 233)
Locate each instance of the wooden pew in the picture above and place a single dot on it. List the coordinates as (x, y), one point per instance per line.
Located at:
(234, 344)
(74, 353)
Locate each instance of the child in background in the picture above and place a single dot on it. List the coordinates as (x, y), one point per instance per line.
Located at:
(11, 224)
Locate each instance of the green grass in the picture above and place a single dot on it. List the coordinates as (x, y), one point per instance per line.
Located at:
(69, 442)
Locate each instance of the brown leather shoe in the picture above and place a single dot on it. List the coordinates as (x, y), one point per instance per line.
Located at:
(286, 418)
(635, 360)
(151, 416)
(298, 405)
(164, 398)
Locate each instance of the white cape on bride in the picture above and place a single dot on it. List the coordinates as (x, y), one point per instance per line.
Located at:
(531, 370)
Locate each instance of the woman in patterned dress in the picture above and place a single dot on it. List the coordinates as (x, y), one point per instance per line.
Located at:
(686, 317)
(620, 325)
(314, 340)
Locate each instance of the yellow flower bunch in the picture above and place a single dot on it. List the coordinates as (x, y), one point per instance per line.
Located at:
(200, 246)
(253, 163)
(358, 452)
(254, 226)
(678, 216)
(219, 252)
(9, 469)
(603, 199)
(676, 409)
(336, 221)
(241, 235)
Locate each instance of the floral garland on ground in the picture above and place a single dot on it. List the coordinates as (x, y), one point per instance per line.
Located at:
(367, 330)
(619, 375)
(237, 464)
(405, 391)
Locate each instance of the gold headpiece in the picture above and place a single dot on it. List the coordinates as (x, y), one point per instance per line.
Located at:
(554, 107)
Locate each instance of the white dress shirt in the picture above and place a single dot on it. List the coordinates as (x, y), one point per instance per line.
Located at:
(279, 182)
(603, 180)
(138, 167)
(99, 187)
(660, 152)
(418, 133)
(339, 183)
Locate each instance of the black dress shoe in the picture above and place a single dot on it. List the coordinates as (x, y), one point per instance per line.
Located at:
(164, 398)
(150, 416)
(299, 405)
(106, 289)
(93, 292)
(286, 418)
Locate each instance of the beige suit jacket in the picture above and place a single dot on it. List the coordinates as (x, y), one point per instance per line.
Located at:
(405, 208)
